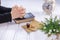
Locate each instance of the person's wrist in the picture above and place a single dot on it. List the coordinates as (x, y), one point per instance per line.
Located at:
(12, 16)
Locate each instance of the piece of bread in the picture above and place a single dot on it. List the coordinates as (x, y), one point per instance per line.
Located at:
(34, 25)
(26, 29)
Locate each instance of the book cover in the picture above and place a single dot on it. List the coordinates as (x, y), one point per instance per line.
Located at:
(28, 17)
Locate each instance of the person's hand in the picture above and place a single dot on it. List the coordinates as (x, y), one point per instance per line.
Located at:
(17, 12)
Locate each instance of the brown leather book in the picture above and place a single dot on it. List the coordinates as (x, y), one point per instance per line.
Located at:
(28, 17)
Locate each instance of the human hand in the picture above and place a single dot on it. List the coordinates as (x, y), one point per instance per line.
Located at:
(17, 12)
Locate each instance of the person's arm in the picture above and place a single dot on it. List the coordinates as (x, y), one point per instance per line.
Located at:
(4, 9)
(8, 14)
(5, 17)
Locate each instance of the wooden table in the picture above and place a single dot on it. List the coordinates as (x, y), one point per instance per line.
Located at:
(12, 31)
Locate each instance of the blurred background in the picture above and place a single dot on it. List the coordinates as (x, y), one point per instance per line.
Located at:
(30, 5)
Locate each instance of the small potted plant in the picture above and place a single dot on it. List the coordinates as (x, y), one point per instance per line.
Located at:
(52, 26)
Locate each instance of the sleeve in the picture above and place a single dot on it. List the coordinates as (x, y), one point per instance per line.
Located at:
(4, 9)
(5, 17)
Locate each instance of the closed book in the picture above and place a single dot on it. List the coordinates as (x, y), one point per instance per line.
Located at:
(28, 17)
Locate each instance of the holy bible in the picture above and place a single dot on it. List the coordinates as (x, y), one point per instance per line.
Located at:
(28, 17)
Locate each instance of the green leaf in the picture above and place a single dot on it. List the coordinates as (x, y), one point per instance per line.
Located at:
(51, 24)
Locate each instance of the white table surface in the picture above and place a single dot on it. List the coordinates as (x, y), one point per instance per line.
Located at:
(12, 31)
